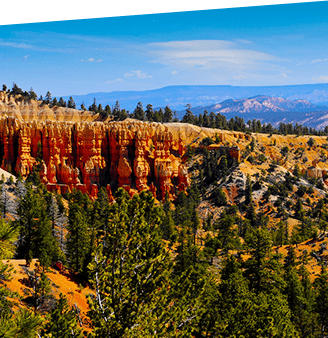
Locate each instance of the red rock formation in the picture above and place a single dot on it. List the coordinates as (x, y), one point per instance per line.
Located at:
(86, 155)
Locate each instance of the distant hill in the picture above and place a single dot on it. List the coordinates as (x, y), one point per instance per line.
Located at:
(270, 110)
(178, 96)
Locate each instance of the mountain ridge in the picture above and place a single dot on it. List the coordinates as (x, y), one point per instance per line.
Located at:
(177, 96)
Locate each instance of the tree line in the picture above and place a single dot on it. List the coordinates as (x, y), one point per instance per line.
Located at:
(209, 120)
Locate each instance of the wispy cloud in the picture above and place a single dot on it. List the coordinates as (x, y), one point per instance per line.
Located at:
(312, 61)
(318, 60)
(15, 45)
(137, 74)
(23, 45)
(321, 78)
(26, 57)
(244, 41)
(174, 72)
(91, 60)
(205, 53)
(240, 77)
(119, 80)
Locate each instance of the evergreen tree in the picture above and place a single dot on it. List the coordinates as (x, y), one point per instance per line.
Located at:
(149, 113)
(78, 238)
(48, 98)
(44, 246)
(54, 103)
(71, 103)
(321, 301)
(28, 216)
(132, 281)
(189, 116)
(93, 107)
(227, 236)
(16, 90)
(32, 94)
(25, 324)
(139, 112)
(62, 102)
(238, 312)
(248, 191)
(62, 321)
(168, 114)
(263, 270)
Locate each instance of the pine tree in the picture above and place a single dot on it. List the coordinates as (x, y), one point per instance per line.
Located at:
(263, 270)
(149, 113)
(238, 312)
(25, 324)
(227, 236)
(62, 102)
(71, 103)
(78, 239)
(62, 322)
(139, 112)
(48, 98)
(248, 191)
(45, 247)
(28, 215)
(54, 102)
(168, 114)
(321, 301)
(132, 280)
(32, 94)
(189, 116)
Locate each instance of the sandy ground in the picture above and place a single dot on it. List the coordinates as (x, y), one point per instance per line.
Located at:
(62, 282)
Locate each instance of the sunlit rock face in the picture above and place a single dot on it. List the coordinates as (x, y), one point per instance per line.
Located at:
(87, 155)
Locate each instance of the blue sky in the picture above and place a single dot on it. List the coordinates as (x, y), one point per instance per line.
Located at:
(266, 45)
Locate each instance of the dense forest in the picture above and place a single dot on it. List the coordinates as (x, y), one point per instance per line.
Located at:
(150, 274)
(158, 269)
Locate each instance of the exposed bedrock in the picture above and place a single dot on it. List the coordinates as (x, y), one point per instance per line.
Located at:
(87, 155)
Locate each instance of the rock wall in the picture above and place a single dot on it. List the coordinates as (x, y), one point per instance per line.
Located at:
(86, 155)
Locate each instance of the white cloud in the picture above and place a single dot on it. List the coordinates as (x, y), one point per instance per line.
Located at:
(240, 77)
(244, 41)
(321, 78)
(284, 75)
(24, 45)
(312, 61)
(318, 60)
(205, 54)
(174, 72)
(137, 74)
(91, 60)
(26, 57)
(16, 45)
(114, 81)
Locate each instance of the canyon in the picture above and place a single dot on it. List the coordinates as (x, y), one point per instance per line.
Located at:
(73, 149)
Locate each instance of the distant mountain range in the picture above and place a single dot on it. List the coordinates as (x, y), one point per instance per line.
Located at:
(302, 104)
(269, 110)
(178, 96)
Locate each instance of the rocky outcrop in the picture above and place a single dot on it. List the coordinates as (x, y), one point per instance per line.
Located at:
(87, 155)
